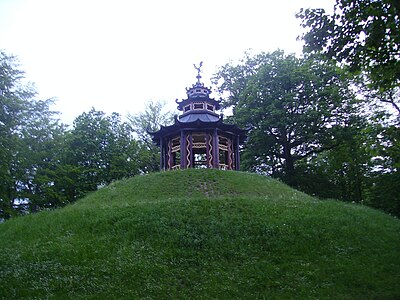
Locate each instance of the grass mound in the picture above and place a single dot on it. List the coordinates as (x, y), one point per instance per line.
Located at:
(198, 234)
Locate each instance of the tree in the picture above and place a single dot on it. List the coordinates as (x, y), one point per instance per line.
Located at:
(363, 34)
(42, 165)
(293, 105)
(27, 128)
(147, 121)
(41, 140)
(340, 172)
(98, 150)
(12, 106)
(383, 190)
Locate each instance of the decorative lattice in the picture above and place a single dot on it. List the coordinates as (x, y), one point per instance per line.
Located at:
(169, 154)
(188, 150)
(210, 149)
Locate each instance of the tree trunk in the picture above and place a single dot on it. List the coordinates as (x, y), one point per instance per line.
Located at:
(290, 177)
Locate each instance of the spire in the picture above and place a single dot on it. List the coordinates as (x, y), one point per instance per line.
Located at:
(198, 90)
(198, 97)
(198, 71)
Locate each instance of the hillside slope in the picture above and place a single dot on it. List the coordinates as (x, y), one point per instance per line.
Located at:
(201, 234)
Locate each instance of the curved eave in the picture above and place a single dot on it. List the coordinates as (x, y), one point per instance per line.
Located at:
(201, 115)
(171, 130)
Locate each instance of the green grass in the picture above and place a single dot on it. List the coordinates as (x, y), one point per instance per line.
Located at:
(201, 234)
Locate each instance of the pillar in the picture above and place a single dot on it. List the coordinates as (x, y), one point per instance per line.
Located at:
(183, 150)
(208, 146)
(237, 156)
(169, 156)
(215, 143)
(230, 154)
(189, 156)
(162, 154)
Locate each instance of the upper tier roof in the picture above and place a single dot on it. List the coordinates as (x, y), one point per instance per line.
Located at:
(202, 116)
(198, 93)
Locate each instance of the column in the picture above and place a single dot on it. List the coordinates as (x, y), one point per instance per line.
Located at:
(230, 161)
(189, 158)
(161, 154)
(215, 149)
(170, 158)
(183, 150)
(237, 167)
(208, 154)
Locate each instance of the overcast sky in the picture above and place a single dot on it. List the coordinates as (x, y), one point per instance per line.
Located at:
(116, 55)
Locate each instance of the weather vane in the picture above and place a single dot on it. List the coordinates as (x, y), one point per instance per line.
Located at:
(198, 71)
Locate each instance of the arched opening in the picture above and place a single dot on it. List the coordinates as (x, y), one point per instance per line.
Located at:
(199, 148)
(225, 152)
(174, 159)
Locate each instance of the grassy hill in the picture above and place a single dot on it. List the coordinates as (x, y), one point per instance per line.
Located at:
(199, 234)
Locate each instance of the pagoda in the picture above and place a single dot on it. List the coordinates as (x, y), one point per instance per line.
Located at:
(199, 138)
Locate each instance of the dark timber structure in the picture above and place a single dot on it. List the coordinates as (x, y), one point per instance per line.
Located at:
(199, 138)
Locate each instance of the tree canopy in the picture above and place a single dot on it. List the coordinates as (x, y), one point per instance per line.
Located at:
(364, 35)
(150, 120)
(28, 131)
(308, 130)
(43, 164)
(293, 106)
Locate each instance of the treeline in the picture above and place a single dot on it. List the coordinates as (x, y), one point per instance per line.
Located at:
(312, 128)
(327, 123)
(45, 164)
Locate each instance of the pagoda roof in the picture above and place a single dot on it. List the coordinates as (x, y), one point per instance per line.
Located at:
(198, 92)
(201, 122)
(182, 103)
(202, 116)
(198, 115)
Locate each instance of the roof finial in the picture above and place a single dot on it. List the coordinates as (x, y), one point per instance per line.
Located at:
(198, 71)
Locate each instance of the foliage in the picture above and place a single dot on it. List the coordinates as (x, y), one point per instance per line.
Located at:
(340, 172)
(383, 190)
(99, 149)
(42, 164)
(308, 129)
(364, 168)
(150, 120)
(293, 105)
(27, 131)
(363, 34)
(230, 235)
(40, 142)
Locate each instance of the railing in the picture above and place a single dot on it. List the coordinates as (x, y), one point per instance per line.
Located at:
(223, 167)
(199, 145)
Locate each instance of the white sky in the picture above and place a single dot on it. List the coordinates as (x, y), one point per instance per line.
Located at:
(115, 55)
